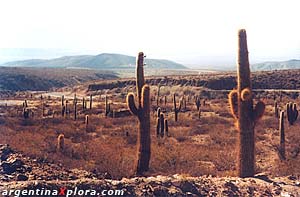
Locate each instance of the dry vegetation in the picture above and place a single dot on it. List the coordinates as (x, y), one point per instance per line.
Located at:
(194, 146)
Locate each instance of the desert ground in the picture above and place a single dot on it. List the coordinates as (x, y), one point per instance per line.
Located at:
(200, 143)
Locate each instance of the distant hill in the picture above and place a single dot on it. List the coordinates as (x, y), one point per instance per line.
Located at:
(266, 66)
(101, 61)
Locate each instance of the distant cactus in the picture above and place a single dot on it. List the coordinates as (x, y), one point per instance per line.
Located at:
(282, 136)
(142, 111)
(166, 100)
(276, 109)
(60, 143)
(198, 103)
(176, 110)
(292, 112)
(83, 104)
(26, 113)
(86, 122)
(63, 110)
(107, 107)
(241, 104)
(161, 126)
(75, 109)
(62, 100)
(166, 128)
(91, 101)
(158, 96)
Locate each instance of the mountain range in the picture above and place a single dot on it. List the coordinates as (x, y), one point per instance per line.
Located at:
(276, 65)
(101, 61)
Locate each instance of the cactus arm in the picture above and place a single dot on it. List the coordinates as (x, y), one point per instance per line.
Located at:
(146, 99)
(131, 104)
(246, 94)
(233, 102)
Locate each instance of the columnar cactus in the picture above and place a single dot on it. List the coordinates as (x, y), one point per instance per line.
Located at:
(161, 125)
(60, 143)
(176, 110)
(107, 106)
(91, 101)
(276, 109)
(142, 111)
(83, 104)
(241, 104)
(75, 109)
(62, 100)
(157, 98)
(198, 103)
(166, 128)
(292, 112)
(166, 100)
(86, 122)
(282, 136)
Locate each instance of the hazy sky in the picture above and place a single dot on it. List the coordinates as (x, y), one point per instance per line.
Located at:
(190, 31)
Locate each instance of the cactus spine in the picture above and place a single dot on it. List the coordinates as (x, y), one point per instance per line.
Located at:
(142, 111)
(241, 104)
(282, 136)
(60, 142)
(292, 112)
(176, 110)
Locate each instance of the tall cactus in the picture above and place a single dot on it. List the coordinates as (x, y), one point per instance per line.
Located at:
(176, 110)
(282, 135)
(142, 111)
(292, 112)
(241, 104)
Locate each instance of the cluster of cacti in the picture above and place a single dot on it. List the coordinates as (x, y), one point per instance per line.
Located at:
(142, 111)
(282, 136)
(162, 128)
(292, 112)
(60, 143)
(176, 110)
(241, 104)
(26, 111)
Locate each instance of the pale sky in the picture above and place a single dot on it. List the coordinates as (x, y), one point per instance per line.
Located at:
(190, 31)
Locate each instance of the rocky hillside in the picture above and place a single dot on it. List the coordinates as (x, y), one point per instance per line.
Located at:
(20, 79)
(285, 79)
(20, 172)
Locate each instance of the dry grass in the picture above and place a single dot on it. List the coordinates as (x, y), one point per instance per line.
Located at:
(195, 146)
